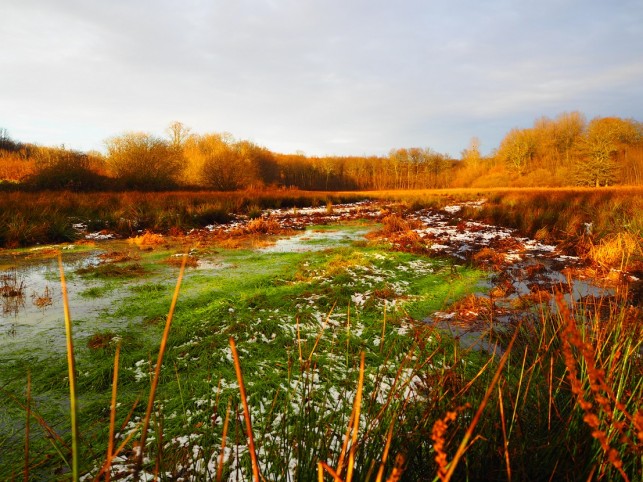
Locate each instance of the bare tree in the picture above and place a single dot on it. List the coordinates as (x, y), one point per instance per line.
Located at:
(178, 134)
(517, 149)
(143, 161)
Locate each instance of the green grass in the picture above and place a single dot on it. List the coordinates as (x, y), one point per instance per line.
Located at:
(257, 300)
(300, 322)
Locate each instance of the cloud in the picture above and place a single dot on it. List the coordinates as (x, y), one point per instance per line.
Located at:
(328, 77)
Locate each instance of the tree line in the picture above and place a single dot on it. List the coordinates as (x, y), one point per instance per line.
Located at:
(566, 150)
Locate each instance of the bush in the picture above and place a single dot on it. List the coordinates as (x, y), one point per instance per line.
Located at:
(142, 161)
(64, 169)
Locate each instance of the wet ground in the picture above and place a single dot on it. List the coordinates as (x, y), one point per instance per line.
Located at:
(524, 273)
(33, 314)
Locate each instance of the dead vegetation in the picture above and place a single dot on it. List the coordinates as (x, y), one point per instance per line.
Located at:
(44, 299)
(177, 260)
(100, 341)
(114, 271)
(147, 239)
(12, 292)
(118, 257)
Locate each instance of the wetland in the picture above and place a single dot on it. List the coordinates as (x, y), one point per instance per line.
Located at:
(430, 299)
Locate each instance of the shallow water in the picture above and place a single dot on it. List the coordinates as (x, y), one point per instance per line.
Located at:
(318, 240)
(38, 331)
(26, 325)
(528, 267)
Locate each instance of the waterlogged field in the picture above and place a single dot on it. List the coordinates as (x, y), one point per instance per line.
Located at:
(375, 344)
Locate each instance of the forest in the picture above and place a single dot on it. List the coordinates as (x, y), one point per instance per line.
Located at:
(567, 150)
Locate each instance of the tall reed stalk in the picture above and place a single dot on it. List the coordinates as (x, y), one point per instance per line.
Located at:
(71, 365)
(246, 411)
(159, 363)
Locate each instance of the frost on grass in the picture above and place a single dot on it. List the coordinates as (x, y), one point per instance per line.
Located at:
(300, 362)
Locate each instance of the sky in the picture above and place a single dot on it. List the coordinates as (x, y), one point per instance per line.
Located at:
(323, 77)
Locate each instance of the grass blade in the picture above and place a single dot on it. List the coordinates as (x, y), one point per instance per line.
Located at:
(112, 414)
(504, 433)
(358, 406)
(223, 439)
(159, 362)
(246, 411)
(71, 365)
(330, 470)
(467, 436)
(389, 437)
(321, 332)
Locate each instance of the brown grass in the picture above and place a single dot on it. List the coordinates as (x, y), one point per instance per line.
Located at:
(118, 257)
(263, 226)
(488, 256)
(100, 341)
(191, 262)
(599, 402)
(147, 239)
(616, 251)
(114, 271)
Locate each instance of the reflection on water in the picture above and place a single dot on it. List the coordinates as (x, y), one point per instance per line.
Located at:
(317, 240)
(12, 292)
(34, 322)
(34, 318)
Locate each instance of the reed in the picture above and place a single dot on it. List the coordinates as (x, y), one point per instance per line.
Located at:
(246, 411)
(71, 365)
(28, 218)
(159, 363)
(561, 403)
(112, 415)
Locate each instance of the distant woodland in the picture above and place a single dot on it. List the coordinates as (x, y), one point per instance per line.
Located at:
(567, 150)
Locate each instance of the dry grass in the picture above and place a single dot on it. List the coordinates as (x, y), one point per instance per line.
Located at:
(489, 257)
(616, 251)
(12, 292)
(100, 341)
(114, 271)
(44, 217)
(604, 225)
(177, 261)
(147, 239)
(264, 226)
(44, 299)
(118, 257)
(590, 371)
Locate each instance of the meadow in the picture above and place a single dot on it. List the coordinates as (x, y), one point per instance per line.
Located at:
(320, 363)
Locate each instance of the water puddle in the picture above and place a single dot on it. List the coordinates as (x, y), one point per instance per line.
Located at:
(33, 321)
(318, 240)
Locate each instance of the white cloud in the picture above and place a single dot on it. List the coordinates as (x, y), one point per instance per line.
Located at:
(327, 77)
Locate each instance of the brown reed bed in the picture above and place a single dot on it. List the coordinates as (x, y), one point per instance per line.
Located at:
(50, 217)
